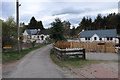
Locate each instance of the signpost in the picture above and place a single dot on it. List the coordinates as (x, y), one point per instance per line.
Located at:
(7, 47)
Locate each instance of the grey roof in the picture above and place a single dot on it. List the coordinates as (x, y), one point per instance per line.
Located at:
(100, 33)
(31, 31)
(45, 32)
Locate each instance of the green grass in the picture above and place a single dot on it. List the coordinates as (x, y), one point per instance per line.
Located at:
(13, 56)
(73, 62)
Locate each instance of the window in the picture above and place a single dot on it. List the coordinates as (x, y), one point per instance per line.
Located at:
(100, 39)
(42, 37)
(86, 38)
(108, 39)
(95, 38)
(111, 38)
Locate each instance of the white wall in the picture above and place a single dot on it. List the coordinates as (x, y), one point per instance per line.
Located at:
(116, 40)
(45, 36)
(98, 39)
(35, 37)
(91, 39)
(25, 33)
(82, 39)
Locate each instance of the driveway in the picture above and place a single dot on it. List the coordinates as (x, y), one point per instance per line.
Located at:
(106, 69)
(37, 64)
(102, 56)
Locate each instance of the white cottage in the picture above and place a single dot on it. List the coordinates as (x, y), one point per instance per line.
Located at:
(38, 35)
(98, 35)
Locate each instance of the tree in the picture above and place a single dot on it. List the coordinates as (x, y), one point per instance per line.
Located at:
(73, 32)
(98, 21)
(110, 21)
(83, 23)
(33, 24)
(89, 23)
(9, 32)
(66, 26)
(40, 25)
(57, 30)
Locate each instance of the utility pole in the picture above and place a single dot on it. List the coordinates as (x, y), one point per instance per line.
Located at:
(17, 20)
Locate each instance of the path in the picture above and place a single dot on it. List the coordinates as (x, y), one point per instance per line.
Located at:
(37, 64)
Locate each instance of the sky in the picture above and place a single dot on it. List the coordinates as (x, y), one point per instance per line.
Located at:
(47, 10)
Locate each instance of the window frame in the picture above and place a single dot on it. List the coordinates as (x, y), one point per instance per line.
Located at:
(111, 38)
(86, 38)
(95, 38)
(100, 39)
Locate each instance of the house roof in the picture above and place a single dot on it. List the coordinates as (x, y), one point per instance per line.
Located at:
(100, 33)
(37, 32)
(45, 32)
(31, 31)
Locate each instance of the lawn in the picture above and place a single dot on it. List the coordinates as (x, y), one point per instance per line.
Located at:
(13, 56)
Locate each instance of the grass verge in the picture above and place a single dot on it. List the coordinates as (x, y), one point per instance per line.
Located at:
(13, 56)
(73, 62)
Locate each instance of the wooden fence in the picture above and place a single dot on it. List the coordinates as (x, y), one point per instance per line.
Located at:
(108, 47)
(65, 53)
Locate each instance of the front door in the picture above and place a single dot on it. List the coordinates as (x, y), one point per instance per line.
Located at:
(42, 37)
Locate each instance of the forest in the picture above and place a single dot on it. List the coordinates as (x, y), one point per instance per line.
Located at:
(111, 21)
(9, 29)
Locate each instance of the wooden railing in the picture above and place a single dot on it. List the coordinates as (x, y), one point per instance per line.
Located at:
(65, 53)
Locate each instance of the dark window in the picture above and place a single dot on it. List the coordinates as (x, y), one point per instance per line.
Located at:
(111, 39)
(108, 39)
(85, 38)
(95, 38)
(100, 38)
(42, 37)
(88, 38)
(38, 37)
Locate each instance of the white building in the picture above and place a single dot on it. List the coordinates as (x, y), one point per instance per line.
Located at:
(36, 35)
(98, 35)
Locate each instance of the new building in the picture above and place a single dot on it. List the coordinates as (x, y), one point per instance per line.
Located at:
(99, 35)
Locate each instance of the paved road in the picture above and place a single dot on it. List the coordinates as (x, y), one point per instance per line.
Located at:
(37, 64)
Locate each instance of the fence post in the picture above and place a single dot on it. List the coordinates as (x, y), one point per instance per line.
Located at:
(84, 56)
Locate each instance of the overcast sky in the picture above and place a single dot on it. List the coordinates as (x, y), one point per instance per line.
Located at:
(48, 10)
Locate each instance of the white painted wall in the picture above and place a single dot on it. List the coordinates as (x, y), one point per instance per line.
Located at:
(38, 40)
(98, 39)
(35, 37)
(82, 39)
(25, 33)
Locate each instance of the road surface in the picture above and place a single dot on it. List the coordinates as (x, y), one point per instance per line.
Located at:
(37, 64)
(102, 56)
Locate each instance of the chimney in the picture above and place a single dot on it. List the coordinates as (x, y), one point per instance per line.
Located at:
(38, 29)
(83, 30)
